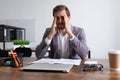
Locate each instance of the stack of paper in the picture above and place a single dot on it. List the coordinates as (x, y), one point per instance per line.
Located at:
(59, 61)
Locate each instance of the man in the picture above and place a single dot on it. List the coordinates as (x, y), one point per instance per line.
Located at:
(64, 40)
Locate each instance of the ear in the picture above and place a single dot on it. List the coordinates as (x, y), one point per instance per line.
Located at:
(69, 17)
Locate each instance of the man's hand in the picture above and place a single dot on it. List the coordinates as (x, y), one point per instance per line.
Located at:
(68, 27)
(53, 29)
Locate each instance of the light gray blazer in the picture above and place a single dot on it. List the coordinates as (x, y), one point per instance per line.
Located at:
(78, 46)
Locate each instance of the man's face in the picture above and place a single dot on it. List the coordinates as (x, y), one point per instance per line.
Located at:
(60, 19)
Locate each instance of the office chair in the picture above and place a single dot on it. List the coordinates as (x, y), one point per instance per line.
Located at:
(89, 54)
(27, 52)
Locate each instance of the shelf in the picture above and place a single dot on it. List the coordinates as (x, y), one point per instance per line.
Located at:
(9, 33)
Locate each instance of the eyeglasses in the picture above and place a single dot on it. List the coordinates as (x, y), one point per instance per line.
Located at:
(92, 67)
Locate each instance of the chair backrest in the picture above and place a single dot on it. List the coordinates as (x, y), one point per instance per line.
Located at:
(27, 52)
(89, 54)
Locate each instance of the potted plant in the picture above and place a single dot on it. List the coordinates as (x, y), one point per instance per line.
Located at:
(18, 43)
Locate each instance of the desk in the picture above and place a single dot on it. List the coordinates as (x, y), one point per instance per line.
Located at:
(8, 73)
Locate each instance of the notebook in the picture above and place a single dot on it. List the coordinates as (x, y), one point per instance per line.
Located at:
(47, 67)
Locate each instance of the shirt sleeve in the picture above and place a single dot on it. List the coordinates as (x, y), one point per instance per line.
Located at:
(47, 41)
(72, 38)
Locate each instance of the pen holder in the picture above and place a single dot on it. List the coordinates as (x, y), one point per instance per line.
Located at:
(20, 56)
(16, 60)
(12, 62)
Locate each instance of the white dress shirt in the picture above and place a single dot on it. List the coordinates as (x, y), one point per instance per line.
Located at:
(63, 44)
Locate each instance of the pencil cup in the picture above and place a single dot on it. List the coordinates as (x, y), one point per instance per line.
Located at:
(12, 62)
(114, 59)
(20, 56)
(17, 60)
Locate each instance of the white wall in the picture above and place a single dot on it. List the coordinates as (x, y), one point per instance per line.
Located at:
(99, 18)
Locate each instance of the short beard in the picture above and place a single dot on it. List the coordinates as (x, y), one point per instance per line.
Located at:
(61, 27)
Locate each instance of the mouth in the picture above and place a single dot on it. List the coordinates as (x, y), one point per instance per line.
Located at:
(60, 26)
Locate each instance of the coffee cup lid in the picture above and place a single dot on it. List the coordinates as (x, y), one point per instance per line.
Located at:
(114, 52)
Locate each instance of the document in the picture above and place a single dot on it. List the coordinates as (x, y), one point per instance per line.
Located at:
(59, 61)
(71, 61)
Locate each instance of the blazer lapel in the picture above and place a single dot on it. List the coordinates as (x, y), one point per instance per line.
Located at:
(70, 48)
(55, 43)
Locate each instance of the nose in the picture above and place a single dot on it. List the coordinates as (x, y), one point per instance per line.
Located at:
(60, 19)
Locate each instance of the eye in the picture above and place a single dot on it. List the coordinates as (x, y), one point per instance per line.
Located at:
(58, 18)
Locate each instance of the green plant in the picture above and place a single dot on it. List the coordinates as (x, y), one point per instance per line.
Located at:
(21, 42)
